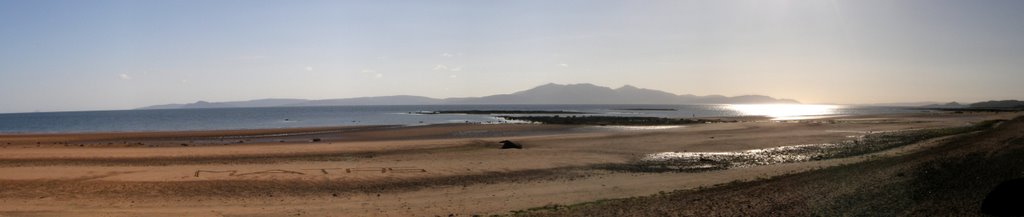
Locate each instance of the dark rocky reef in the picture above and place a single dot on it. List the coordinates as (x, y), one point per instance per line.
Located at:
(491, 112)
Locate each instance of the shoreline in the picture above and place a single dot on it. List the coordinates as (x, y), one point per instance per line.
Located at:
(346, 127)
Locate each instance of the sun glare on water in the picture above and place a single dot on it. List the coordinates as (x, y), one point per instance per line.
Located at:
(784, 111)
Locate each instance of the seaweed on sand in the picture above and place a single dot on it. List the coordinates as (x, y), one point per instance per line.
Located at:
(707, 161)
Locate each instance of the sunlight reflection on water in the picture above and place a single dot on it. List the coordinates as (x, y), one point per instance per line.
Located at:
(785, 111)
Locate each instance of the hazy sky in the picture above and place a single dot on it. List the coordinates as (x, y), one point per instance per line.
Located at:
(88, 55)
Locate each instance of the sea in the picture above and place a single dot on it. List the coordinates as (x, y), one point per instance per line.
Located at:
(293, 117)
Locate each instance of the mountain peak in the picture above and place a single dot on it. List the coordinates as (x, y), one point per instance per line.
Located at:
(569, 85)
(550, 85)
(584, 85)
(553, 87)
(627, 87)
(586, 93)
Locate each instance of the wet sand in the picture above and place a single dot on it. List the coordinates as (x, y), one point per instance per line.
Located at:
(397, 170)
(949, 176)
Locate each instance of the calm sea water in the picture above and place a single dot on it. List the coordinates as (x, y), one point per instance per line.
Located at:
(289, 117)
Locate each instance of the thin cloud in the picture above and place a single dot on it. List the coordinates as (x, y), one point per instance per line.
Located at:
(563, 65)
(373, 73)
(442, 67)
(309, 68)
(447, 55)
(125, 76)
(453, 76)
(253, 57)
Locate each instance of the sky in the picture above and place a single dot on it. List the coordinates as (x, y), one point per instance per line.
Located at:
(100, 55)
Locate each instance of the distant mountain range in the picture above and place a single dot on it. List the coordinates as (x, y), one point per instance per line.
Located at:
(900, 104)
(954, 105)
(544, 94)
(1012, 104)
(946, 105)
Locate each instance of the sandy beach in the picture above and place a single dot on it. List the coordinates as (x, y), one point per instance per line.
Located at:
(433, 170)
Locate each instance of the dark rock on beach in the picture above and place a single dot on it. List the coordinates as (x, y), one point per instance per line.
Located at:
(510, 145)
